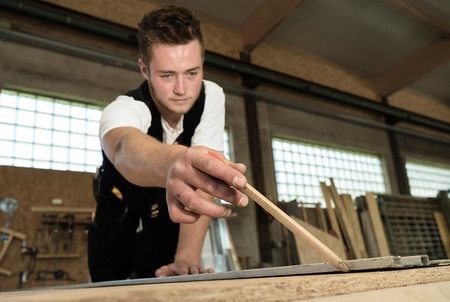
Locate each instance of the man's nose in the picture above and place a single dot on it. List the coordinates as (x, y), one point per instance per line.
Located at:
(180, 86)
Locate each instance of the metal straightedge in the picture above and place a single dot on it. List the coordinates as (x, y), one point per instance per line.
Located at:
(369, 264)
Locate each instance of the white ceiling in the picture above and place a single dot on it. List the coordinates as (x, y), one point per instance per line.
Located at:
(396, 44)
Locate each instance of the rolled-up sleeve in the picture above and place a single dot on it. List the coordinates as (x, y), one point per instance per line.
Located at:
(124, 112)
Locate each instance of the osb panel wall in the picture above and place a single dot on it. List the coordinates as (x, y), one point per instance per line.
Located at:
(217, 39)
(34, 187)
(305, 66)
(414, 101)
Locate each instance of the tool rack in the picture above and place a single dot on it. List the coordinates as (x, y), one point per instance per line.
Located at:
(54, 216)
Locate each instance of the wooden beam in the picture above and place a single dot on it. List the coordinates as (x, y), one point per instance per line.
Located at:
(264, 20)
(408, 8)
(413, 67)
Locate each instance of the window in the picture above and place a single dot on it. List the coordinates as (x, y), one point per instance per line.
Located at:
(426, 179)
(48, 133)
(300, 167)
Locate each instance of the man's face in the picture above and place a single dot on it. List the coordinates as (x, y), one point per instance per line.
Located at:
(175, 74)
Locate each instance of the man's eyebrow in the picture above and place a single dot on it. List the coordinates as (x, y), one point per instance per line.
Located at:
(193, 69)
(172, 71)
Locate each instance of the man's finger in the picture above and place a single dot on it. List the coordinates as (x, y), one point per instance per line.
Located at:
(211, 185)
(217, 168)
(187, 206)
(179, 213)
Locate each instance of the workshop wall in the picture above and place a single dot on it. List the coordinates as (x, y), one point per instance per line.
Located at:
(37, 188)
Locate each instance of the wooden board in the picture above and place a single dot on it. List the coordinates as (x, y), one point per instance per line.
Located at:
(356, 232)
(369, 234)
(330, 210)
(344, 221)
(444, 231)
(308, 255)
(378, 228)
(290, 288)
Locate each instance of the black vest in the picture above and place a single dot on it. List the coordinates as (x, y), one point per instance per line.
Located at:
(141, 196)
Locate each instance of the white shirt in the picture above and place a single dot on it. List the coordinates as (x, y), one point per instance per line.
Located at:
(127, 112)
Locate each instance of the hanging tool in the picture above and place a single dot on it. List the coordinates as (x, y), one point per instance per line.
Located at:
(69, 240)
(9, 206)
(56, 240)
(57, 275)
(293, 226)
(32, 252)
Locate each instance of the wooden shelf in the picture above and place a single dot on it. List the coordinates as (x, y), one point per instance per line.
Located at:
(63, 210)
(57, 256)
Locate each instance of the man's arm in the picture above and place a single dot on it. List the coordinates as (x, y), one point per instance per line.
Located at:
(145, 161)
(188, 256)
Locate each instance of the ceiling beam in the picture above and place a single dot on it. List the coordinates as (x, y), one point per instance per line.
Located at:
(413, 67)
(264, 20)
(415, 12)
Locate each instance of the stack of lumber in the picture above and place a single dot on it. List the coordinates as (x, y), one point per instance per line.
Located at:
(371, 226)
(344, 219)
(337, 226)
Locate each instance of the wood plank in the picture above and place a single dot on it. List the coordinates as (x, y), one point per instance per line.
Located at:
(299, 231)
(409, 8)
(356, 225)
(413, 67)
(443, 231)
(330, 210)
(290, 288)
(308, 256)
(369, 235)
(63, 210)
(8, 241)
(378, 228)
(342, 216)
(321, 218)
(303, 211)
(5, 272)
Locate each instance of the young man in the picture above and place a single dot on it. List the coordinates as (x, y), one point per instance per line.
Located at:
(156, 170)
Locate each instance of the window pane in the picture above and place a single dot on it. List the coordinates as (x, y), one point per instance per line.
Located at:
(426, 179)
(7, 115)
(6, 132)
(300, 167)
(47, 133)
(44, 121)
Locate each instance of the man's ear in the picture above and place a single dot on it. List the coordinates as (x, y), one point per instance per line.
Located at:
(143, 68)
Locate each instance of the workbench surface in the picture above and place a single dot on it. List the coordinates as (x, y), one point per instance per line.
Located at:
(412, 284)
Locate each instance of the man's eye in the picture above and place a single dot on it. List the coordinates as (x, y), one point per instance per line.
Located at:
(192, 74)
(166, 76)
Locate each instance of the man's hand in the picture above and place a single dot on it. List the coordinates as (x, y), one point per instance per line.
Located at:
(195, 169)
(181, 267)
(146, 162)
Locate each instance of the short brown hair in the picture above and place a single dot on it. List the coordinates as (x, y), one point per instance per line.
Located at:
(171, 24)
